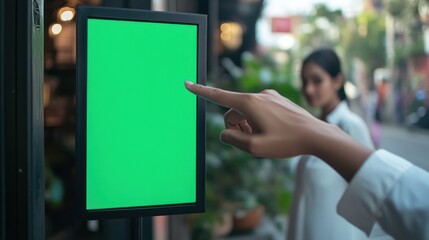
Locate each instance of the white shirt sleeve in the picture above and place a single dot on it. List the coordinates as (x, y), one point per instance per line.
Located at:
(391, 191)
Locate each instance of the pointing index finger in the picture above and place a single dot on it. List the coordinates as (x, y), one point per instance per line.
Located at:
(216, 95)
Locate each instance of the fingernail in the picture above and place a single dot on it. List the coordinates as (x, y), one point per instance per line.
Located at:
(188, 83)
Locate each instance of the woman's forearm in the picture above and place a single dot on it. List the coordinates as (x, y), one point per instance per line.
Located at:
(337, 149)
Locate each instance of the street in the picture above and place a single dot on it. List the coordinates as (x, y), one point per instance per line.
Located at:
(412, 145)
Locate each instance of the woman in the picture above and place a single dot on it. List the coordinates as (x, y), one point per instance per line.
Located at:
(318, 187)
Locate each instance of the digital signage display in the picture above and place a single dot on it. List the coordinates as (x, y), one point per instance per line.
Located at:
(140, 134)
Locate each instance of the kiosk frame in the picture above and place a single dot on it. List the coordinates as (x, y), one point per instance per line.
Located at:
(83, 14)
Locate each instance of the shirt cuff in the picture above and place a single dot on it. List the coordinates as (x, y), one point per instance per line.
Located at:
(369, 188)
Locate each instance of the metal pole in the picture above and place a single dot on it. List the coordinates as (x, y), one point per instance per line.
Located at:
(142, 228)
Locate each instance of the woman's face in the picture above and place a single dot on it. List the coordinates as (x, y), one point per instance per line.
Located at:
(319, 88)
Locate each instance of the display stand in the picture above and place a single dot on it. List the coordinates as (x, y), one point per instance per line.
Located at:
(142, 228)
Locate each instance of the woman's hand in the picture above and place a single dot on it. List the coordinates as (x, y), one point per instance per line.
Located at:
(264, 124)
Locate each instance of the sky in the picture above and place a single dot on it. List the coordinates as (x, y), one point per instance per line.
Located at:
(288, 7)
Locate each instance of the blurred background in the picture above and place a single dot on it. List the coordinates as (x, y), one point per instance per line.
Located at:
(253, 45)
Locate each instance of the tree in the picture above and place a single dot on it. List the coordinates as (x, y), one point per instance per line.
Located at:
(322, 27)
(409, 42)
(363, 37)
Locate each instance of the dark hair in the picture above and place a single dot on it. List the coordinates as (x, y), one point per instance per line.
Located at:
(329, 61)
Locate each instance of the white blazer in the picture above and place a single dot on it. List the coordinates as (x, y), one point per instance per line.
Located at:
(318, 189)
(391, 191)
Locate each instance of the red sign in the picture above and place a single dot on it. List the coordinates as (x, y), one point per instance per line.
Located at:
(281, 24)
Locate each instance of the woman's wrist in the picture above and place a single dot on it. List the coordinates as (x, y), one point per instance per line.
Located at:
(338, 149)
(321, 137)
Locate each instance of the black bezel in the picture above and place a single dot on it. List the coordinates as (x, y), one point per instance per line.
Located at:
(83, 14)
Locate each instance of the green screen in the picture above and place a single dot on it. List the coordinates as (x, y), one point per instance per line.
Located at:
(141, 121)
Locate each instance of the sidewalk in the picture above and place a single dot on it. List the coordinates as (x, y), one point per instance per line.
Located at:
(412, 144)
(409, 143)
(409, 131)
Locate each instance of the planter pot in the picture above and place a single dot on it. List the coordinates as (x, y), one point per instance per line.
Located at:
(248, 220)
(223, 226)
